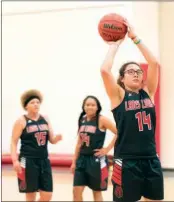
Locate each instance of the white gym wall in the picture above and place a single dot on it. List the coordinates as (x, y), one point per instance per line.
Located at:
(55, 47)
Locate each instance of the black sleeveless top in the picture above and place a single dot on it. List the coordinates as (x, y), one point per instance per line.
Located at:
(91, 136)
(136, 122)
(34, 138)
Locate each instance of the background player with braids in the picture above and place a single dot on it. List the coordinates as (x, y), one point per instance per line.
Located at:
(90, 164)
(137, 169)
(33, 166)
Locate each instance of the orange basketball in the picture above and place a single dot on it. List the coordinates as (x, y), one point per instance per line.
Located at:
(111, 27)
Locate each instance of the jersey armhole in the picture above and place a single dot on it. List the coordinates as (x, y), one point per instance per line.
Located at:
(145, 90)
(81, 121)
(44, 117)
(102, 130)
(24, 121)
(115, 108)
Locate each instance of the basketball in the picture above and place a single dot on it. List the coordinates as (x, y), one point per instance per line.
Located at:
(111, 27)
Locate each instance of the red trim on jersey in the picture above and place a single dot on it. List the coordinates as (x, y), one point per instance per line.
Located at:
(104, 173)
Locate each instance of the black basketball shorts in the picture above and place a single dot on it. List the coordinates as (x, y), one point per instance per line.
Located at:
(91, 171)
(36, 175)
(135, 178)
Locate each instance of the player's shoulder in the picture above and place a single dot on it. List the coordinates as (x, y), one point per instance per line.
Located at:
(21, 121)
(146, 92)
(103, 118)
(45, 117)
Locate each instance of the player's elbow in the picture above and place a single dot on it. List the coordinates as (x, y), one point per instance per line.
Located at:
(52, 141)
(104, 70)
(14, 142)
(155, 64)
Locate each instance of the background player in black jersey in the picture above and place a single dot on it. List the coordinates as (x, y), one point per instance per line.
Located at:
(137, 169)
(33, 166)
(90, 165)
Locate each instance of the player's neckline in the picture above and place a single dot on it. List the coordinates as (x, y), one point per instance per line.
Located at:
(133, 92)
(33, 119)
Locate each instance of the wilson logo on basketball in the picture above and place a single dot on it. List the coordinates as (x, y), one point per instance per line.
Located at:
(118, 192)
(111, 26)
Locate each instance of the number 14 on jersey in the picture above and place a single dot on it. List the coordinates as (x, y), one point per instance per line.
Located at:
(143, 119)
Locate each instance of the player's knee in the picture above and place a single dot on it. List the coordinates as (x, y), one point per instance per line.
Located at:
(146, 199)
(77, 192)
(45, 196)
(30, 196)
(97, 195)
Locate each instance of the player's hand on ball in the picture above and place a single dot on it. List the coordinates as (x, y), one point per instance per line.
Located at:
(17, 166)
(115, 43)
(131, 32)
(100, 152)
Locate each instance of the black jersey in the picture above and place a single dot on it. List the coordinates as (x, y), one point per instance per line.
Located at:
(34, 138)
(136, 121)
(91, 136)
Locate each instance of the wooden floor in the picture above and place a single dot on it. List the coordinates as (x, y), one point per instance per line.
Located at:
(63, 186)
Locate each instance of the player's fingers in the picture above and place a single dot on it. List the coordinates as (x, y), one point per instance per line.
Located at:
(97, 150)
(125, 23)
(97, 154)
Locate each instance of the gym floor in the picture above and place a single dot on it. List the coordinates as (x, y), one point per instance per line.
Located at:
(63, 186)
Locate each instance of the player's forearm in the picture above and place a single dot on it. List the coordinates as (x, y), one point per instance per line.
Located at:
(112, 143)
(14, 155)
(109, 59)
(149, 57)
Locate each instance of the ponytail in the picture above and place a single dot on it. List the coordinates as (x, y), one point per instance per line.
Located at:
(121, 84)
(80, 118)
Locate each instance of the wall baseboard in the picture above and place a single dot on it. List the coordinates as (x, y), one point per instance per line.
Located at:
(168, 169)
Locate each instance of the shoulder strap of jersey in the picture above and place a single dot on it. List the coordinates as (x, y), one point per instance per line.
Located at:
(42, 117)
(25, 117)
(127, 93)
(143, 92)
